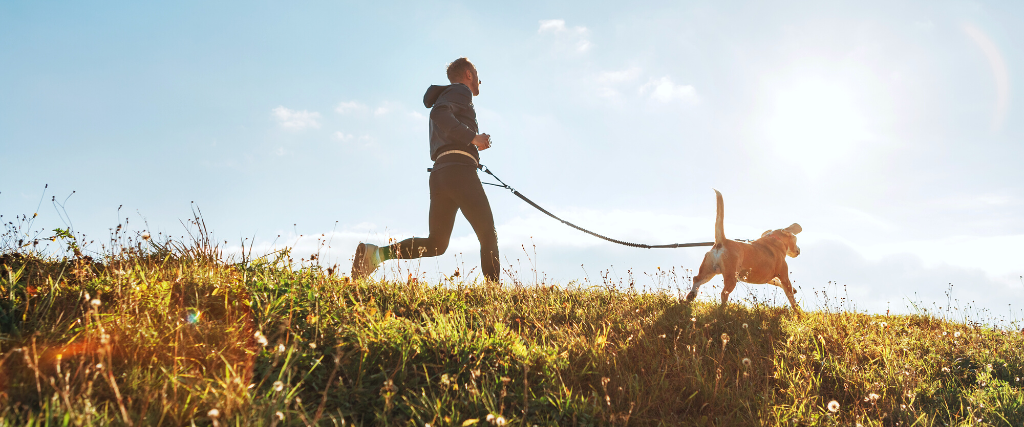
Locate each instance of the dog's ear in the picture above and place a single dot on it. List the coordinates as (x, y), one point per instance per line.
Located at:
(795, 228)
(766, 233)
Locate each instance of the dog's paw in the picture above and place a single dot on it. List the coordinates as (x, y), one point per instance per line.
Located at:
(690, 296)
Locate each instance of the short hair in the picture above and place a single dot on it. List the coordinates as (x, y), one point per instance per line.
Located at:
(458, 67)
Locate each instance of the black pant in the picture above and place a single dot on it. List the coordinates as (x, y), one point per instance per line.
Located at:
(452, 188)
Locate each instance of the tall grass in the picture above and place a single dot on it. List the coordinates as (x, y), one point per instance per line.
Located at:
(174, 333)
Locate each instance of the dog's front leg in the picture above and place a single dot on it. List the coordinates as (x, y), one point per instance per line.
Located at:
(787, 287)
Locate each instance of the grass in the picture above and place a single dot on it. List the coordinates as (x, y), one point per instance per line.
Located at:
(172, 333)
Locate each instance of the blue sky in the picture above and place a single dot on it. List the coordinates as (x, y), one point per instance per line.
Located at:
(891, 132)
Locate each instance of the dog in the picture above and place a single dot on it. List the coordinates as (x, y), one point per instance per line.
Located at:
(758, 262)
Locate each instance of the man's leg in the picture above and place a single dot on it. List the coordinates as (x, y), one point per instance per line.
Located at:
(441, 221)
(473, 201)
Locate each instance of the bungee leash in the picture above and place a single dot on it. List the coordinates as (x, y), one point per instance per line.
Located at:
(630, 244)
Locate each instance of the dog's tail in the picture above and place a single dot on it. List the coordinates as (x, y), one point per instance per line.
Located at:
(719, 220)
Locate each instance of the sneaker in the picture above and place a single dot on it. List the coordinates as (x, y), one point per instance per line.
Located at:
(366, 261)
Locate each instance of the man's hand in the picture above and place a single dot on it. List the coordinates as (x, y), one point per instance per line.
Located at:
(482, 141)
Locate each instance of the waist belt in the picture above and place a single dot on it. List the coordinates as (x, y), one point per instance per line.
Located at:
(475, 163)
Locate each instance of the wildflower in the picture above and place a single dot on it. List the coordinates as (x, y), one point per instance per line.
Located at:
(214, 413)
(744, 326)
(746, 362)
(278, 386)
(833, 406)
(260, 338)
(145, 236)
(95, 303)
(279, 415)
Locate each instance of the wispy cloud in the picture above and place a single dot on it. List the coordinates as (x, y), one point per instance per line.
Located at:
(612, 77)
(295, 119)
(576, 36)
(349, 107)
(665, 90)
(608, 82)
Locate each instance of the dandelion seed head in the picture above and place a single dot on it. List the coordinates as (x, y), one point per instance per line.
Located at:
(872, 397)
(278, 386)
(747, 362)
(280, 348)
(745, 326)
(145, 236)
(312, 345)
(833, 406)
(725, 337)
(95, 303)
(490, 417)
(214, 413)
(956, 334)
(500, 421)
(279, 415)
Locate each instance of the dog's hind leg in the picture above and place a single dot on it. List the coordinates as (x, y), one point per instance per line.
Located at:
(730, 284)
(705, 274)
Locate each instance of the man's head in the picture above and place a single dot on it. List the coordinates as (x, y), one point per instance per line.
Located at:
(463, 71)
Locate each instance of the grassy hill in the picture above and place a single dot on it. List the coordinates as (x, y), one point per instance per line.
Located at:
(172, 334)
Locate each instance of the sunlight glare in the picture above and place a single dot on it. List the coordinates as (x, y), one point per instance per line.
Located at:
(814, 124)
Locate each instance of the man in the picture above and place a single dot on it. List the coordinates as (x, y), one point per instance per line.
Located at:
(455, 145)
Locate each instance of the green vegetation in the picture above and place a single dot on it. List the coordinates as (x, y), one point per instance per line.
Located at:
(173, 334)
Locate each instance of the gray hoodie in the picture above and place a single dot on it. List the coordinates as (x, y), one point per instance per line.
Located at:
(452, 119)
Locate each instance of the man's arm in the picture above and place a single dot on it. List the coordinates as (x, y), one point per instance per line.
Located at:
(452, 129)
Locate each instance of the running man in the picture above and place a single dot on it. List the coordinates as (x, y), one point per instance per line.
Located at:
(455, 145)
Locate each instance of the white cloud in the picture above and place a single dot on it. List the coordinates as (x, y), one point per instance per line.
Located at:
(607, 81)
(379, 111)
(297, 120)
(665, 90)
(576, 36)
(350, 106)
(612, 77)
(342, 136)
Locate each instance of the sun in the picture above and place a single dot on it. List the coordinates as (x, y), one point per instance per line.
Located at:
(814, 124)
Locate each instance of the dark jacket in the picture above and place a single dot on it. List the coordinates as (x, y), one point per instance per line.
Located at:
(452, 119)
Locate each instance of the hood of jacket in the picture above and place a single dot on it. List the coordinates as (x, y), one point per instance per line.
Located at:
(433, 92)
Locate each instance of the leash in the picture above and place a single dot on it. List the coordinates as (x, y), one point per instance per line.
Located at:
(632, 245)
